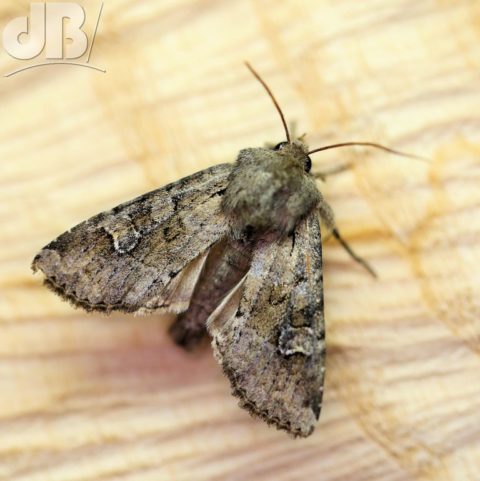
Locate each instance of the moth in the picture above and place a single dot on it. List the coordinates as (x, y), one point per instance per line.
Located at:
(236, 251)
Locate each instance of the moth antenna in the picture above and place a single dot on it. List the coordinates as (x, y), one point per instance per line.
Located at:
(370, 144)
(269, 92)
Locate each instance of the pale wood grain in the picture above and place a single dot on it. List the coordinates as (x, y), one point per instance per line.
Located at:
(86, 397)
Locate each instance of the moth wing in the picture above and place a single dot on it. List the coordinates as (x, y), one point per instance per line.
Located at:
(269, 333)
(144, 255)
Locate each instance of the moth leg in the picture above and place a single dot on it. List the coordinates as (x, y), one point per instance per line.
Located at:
(334, 170)
(326, 213)
(354, 256)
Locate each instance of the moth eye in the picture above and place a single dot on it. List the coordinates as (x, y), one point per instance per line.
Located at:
(280, 146)
(308, 164)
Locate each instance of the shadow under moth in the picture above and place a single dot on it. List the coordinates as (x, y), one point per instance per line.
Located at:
(236, 251)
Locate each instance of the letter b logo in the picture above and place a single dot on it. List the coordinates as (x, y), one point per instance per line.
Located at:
(50, 25)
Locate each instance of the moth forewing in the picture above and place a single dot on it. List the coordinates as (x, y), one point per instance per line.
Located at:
(272, 344)
(134, 265)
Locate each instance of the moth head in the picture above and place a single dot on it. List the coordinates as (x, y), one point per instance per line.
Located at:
(297, 150)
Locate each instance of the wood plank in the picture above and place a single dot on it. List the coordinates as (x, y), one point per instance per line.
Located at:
(86, 397)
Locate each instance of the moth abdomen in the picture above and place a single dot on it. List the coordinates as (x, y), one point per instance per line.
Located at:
(227, 263)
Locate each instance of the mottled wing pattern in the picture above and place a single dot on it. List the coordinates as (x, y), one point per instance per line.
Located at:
(144, 255)
(269, 333)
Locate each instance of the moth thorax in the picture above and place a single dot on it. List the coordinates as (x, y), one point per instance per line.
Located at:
(268, 192)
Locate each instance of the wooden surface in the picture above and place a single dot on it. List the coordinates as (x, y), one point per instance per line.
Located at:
(87, 397)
